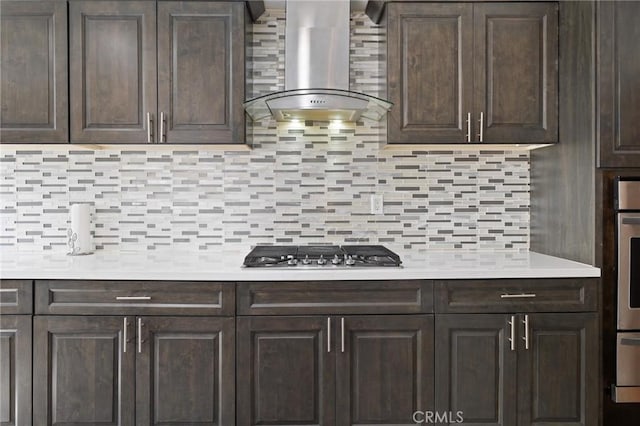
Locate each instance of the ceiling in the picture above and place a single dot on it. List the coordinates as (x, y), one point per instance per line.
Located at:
(356, 5)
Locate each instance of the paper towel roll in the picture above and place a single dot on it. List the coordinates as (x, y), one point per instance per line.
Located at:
(80, 240)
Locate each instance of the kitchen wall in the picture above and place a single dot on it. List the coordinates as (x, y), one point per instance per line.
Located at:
(301, 184)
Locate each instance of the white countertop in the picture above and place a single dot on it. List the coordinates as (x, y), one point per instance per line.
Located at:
(226, 266)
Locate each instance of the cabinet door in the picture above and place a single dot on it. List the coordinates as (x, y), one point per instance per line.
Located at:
(516, 71)
(286, 371)
(430, 71)
(185, 371)
(201, 72)
(113, 70)
(15, 370)
(83, 371)
(558, 375)
(33, 72)
(618, 71)
(385, 369)
(476, 368)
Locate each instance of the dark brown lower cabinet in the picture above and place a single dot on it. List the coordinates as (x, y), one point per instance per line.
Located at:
(82, 373)
(319, 370)
(558, 374)
(385, 369)
(286, 371)
(117, 370)
(185, 371)
(549, 376)
(15, 370)
(475, 368)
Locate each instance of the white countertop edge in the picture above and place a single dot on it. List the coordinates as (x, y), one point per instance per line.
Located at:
(169, 266)
(310, 276)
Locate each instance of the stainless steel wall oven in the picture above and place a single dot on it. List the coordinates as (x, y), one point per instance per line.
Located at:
(627, 204)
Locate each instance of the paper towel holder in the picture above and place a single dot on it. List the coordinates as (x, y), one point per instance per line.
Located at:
(74, 250)
(85, 245)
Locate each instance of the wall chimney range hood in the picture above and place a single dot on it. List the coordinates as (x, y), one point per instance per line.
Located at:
(317, 69)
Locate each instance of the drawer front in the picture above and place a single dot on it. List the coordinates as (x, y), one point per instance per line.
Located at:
(525, 295)
(328, 297)
(134, 298)
(627, 359)
(16, 297)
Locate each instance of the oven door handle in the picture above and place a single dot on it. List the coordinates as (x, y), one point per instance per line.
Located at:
(631, 220)
(630, 341)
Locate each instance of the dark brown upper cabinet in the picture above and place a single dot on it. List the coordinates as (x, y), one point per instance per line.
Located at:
(113, 71)
(430, 71)
(473, 72)
(157, 72)
(33, 72)
(516, 72)
(201, 72)
(618, 84)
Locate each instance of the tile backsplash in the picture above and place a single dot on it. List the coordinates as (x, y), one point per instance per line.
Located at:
(301, 184)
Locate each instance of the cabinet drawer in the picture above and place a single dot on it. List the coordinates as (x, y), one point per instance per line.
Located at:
(526, 295)
(352, 297)
(16, 297)
(134, 298)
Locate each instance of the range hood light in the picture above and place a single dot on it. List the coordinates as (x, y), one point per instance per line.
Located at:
(317, 105)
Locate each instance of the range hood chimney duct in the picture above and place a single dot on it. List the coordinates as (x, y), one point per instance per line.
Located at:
(317, 69)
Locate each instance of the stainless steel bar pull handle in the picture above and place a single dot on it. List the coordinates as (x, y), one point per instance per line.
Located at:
(124, 336)
(512, 336)
(481, 135)
(328, 334)
(518, 296)
(342, 334)
(468, 127)
(133, 297)
(526, 331)
(140, 324)
(149, 127)
(162, 137)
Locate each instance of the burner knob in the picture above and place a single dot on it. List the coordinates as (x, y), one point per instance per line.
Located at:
(292, 261)
(349, 261)
(336, 260)
(322, 260)
(306, 260)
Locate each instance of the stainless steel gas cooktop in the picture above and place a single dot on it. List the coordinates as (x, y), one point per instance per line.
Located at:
(321, 256)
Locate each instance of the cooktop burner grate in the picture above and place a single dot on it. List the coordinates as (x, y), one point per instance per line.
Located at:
(322, 256)
(317, 251)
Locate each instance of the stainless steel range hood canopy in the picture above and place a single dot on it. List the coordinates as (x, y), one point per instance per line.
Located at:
(317, 69)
